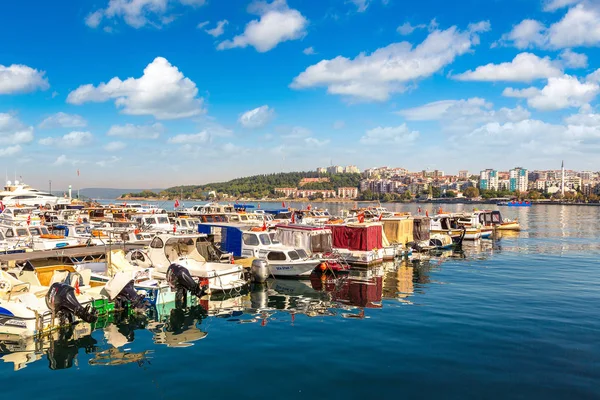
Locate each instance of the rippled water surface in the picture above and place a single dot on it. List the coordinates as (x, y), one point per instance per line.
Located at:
(516, 317)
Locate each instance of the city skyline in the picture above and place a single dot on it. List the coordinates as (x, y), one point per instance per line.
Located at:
(158, 93)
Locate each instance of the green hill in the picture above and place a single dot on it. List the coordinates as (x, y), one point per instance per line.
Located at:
(259, 186)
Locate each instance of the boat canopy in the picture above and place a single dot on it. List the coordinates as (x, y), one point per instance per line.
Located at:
(421, 228)
(399, 230)
(362, 237)
(311, 239)
(227, 238)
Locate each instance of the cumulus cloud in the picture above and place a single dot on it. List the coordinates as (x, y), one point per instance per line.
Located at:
(463, 115)
(109, 161)
(71, 139)
(114, 146)
(257, 118)
(573, 60)
(21, 79)
(10, 150)
(138, 13)
(389, 135)
(162, 91)
(130, 131)
(553, 5)
(406, 28)
(375, 76)
(278, 23)
(200, 137)
(309, 51)
(560, 92)
(525, 67)
(219, 29)
(13, 131)
(63, 160)
(361, 5)
(580, 26)
(314, 142)
(63, 120)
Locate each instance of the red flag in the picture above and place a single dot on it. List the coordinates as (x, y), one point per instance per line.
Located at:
(258, 205)
(282, 204)
(174, 228)
(29, 219)
(176, 203)
(380, 215)
(77, 287)
(264, 227)
(309, 207)
(293, 217)
(419, 210)
(77, 171)
(361, 217)
(427, 213)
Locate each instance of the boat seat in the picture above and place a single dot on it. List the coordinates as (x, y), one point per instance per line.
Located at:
(59, 276)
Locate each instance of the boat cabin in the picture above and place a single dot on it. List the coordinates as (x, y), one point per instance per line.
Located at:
(239, 239)
(310, 238)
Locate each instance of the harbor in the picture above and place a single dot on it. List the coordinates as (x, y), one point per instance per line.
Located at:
(418, 296)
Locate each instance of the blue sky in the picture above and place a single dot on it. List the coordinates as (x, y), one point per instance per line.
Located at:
(154, 93)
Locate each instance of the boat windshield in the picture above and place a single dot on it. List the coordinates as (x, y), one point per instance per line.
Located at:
(264, 239)
(21, 211)
(163, 220)
(150, 220)
(250, 239)
(273, 239)
(301, 253)
(293, 255)
(22, 232)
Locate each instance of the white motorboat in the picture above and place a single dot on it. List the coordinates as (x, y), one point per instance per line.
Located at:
(19, 193)
(289, 262)
(191, 252)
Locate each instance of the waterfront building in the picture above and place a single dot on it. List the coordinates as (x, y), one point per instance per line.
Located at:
(327, 194)
(287, 191)
(488, 179)
(351, 169)
(463, 174)
(519, 180)
(321, 170)
(347, 192)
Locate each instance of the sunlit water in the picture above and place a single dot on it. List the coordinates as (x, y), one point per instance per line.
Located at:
(517, 317)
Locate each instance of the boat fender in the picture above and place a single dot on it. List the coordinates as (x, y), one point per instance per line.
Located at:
(179, 278)
(61, 300)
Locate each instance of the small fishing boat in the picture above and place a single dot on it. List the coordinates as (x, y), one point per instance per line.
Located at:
(517, 203)
(289, 262)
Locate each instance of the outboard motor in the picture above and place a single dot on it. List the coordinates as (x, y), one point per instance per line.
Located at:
(120, 290)
(179, 279)
(259, 270)
(61, 300)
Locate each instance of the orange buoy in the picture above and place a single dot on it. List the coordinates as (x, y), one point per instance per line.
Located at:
(323, 266)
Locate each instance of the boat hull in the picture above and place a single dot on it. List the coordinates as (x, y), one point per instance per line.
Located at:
(293, 269)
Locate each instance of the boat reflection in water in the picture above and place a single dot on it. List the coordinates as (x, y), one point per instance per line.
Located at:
(62, 347)
(178, 326)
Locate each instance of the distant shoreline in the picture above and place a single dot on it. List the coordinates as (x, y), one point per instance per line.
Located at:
(338, 200)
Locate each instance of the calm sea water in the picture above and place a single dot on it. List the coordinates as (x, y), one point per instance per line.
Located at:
(517, 317)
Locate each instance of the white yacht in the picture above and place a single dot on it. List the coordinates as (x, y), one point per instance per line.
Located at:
(19, 193)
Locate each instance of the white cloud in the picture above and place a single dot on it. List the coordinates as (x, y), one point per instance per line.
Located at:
(553, 5)
(63, 159)
(293, 133)
(63, 120)
(309, 51)
(313, 142)
(278, 23)
(257, 118)
(560, 92)
(21, 79)
(202, 24)
(111, 160)
(406, 28)
(200, 137)
(525, 67)
(131, 131)
(463, 115)
(71, 139)
(162, 91)
(390, 69)
(114, 146)
(573, 60)
(10, 150)
(138, 13)
(361, 5)
(218, 30)
(580, 26)
(13, 131)
(527, 33)
(389, 135)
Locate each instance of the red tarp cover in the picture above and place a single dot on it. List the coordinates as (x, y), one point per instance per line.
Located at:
(364, 238)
